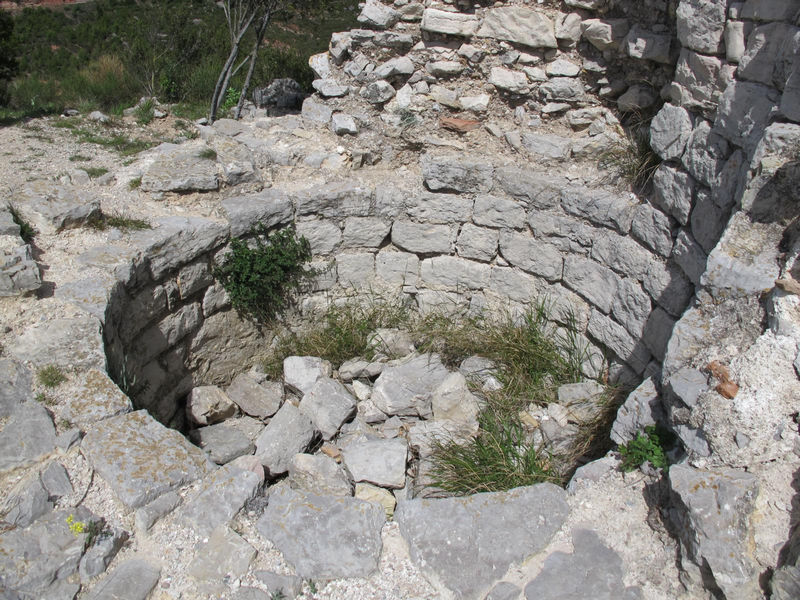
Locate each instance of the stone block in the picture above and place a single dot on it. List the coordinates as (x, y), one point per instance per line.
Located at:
(355, 270)
(365, 232)
(422, 239)
(668, 287)
(646, 45)
(397, 268)
(456, 173)
(652, 228)
(592, 281)
(439, 208)
(519, 25)
(288, 433)
(770, 54)
(605, 34)
(670, 130)
(689, 256)
(319, 474)
(621, 253)
(453, 273)
(477, 243)
(531, 255)
(744, 110)
(376, 15)
(631, 306)
(406, 388)
(600, 207)
(614, 337)
(322, 235)
(449, 23)
(328, 404)
(673, 190)
(698, 80)
(532, 189)
(701, 24)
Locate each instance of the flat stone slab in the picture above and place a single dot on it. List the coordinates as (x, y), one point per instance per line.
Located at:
(222, 442)
(259, 400)
(141, 459)
(223, 494)
(464, 545)
(36, 561)
(407, 388)
(324, 537)
(593, 570)
(96, 398)
(15, 385)
(289, 432)
(382, 462)
(70, 343)
(179, 168)
(28, 435)
(225, 553)
(50, 206)
(328, 404)
(132, 580)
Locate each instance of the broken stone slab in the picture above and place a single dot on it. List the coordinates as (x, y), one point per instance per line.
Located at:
(605, 33)
(36, 561)
(712, 510)
(519, 25)
(15, 385)
(454, 401)
(593, 570)
(288, 433)
(146, 516)
(222, 442)
(323, 537)
(376, 495)
(222, 494)
(407, 388)
(319, 474)
(104, 548)
(180, 168)
(27, 502)
(50, 207)
(56, 480)
(456, 173)
(509, 81)
(381, 461)
(316, 111)
(254, 398)
(646, 45)
(378, 92)
(141, 459)
(28, 435)
(449, 23)
(133, 579)
(641, 409)
(670, 130)
(289, 585)
(464, 545)
(376, 15)
(343, 124)
(19, 273)
(701, 25)
(226, 554)
(301, 372)
(270, 207)
(69, 343)
(328, 404)
(208, 404)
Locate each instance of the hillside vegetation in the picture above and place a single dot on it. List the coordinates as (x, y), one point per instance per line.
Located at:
(107, 54)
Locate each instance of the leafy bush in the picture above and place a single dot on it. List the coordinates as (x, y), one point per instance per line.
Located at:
(260, 274)
(650, 447)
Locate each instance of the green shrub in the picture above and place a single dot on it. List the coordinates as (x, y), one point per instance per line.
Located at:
(231, 99)
(95, 172)
(145, 112)
(208, 154)
(648, 447)
(261, 273)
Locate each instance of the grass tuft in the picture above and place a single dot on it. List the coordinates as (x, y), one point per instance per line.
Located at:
(135, 183)
(633, 159)
(145, 112)
(50, 376)
(26, 230)
(95, 172)
(118, 221)
(208, 153)
(79, 158)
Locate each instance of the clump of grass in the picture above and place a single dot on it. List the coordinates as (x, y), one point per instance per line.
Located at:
(341, 333)
(95, 172)
(649, 446)
(26, 230)
(50, 376)
(67, 123)
(118, 221)
(500, 457)
(145, 112)
(208, 153)
(135, 183)
(79, 158)
(123, 145)
(632, 159)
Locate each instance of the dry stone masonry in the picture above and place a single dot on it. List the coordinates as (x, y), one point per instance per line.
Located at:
(449, 155)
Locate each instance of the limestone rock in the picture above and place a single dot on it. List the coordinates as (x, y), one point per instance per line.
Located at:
(323, 537)
(456, 173)
(547, 146)
(532, 255)
(15, 385)
(453, 401)
(146, 516)
(712, 510)
(27, 503)
(376, 15)
(133, 579)
(98, 556)
(208, 404)
(520, 25)
(674, 191)
(449, 23)
(269, 207)
(328, 404)
(301, 372)
(180, 168)
(646, 45)
(562, 89)
(701, 24)
(744, 110)
(223, 442)
(316, 111)
(378, 92)
(69, 343)
(669, 131)
(506, 80)
(382, 462)
(407, 388)
(480, 538)
(136, 455)
(258, 399)
(605, 33)
(50, 207)
(225, 554)
(319, 474)
(592, 570)
(288, 433)
(28, 435)
(221, 495)
(418, 238)
(642, 408)
(770, 54)
(343, 124)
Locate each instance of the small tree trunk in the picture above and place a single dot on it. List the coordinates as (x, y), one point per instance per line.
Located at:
(225, 75)
(262, 27)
